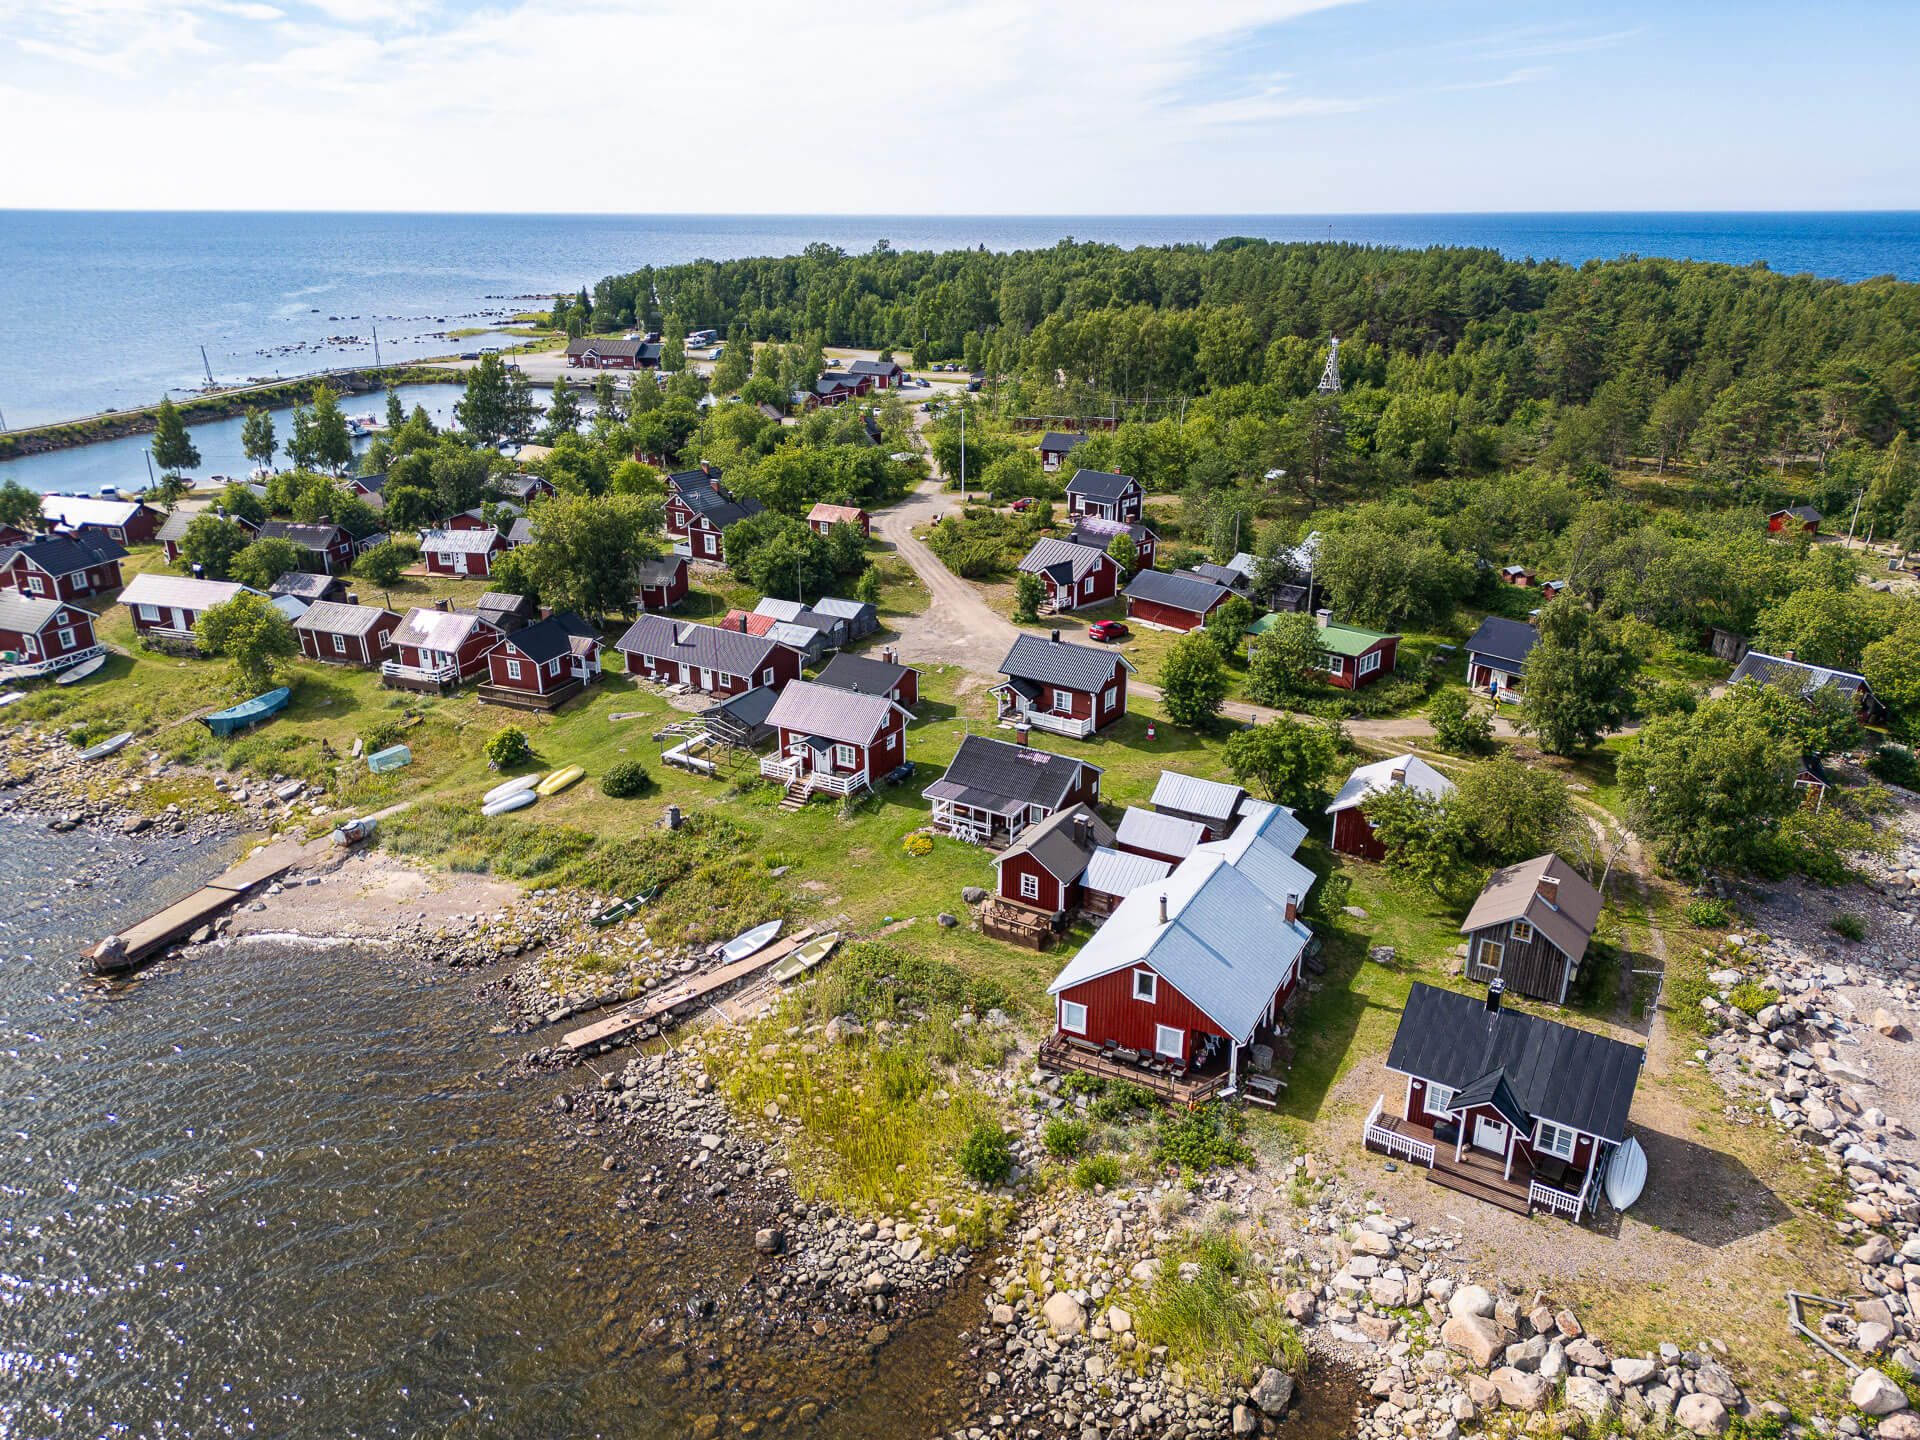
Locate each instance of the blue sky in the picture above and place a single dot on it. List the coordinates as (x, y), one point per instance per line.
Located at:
(959, 106)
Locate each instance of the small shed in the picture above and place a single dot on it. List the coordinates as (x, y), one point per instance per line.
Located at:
(1530, 928)
(1352, 832)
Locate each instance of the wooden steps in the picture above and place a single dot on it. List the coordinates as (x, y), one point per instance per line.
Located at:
(1478, 1189)
(797, 794)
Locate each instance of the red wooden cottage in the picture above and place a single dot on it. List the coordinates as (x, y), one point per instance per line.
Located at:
(1099, 534)
(1074, 575)
(705, 657)
(439, 649)
(836, 389)
(1513, 1109)
(833, 741)
(476, 519)
(1055, 446)
(166, 607)
(1352, 832)
(462, 552)
(660, 584)
(543, 665)
(882, 374)
(39, 636)
(1114, 874)
(1794, 520)
(868, 676)
(993, 791)
(1352, 658)
(338, 634)
(823, 517)
(1043, 869)
(1068, 689)
(62, 567)
(1187, 972)
(605, 352)
(1105, 495)
(1171, 601)
(699, 510)
(324, 547)
(125, 522)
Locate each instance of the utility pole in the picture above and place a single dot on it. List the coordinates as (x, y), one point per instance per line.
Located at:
(1858, 496)
(963, 454)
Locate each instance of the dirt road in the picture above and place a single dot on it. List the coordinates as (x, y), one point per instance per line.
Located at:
(958, 627)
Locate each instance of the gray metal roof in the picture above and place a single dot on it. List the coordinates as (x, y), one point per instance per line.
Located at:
(175, 528)
(1502, 639)
(444, 630)
(1005, 776)
(31, 612)
(1101, 484)
(843, 609)
(307, 537)
(1063, 843)
(1569, 1076)
(1064, 560)
(1190, 795)
(88, 510)
(457, 542)
(1795, 676)
(1119, 873)
(153, 588)
(661, 570)
(1371, 779)
(831, 713)
(732, 652)
(337, 619)
(780, 609)
(1162, 834)
(1182, 592)
(1053, 661)
(1059, 442)
(308, 585)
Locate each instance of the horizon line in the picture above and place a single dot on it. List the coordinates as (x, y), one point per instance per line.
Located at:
(948, 214)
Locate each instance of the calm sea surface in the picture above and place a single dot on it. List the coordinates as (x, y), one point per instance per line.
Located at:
(104, 310)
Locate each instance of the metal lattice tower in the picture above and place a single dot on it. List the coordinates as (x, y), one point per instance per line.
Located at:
(1330, 377)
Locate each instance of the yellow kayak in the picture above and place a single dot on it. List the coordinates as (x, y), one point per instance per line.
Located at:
(559, 780)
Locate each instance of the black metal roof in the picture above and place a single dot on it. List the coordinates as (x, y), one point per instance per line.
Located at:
(1101, 484)
(1509, 640)
(732, 652)
(862, 674)
(1011, 772)
(64, 554)
(1054, 661)
(1181, 592)
(1796, 677)
(550, 638)
(1057, 442)
(1571, 1077)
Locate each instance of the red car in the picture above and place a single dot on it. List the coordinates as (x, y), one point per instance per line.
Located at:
(1107, 630)
(1026, 502)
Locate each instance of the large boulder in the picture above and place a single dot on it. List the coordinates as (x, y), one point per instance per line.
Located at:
(1589, 1397)
(1474, 1336)
(1471, 1300)
(1520, 1390)
(1874, 1393)
(1630, 1371)
(1274, 1392)
(1701, 1415)
(1901, 1425)
(1063, 1314)
(1371, 1242)
(1388, 1293)
(1585, 1352)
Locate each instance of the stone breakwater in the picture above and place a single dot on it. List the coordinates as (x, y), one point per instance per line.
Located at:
(1828, 1055)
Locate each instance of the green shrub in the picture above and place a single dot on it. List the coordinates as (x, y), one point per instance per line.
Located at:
(1202, 1138)
(1212, 1322)
(1750, 998)
(1065, 1139)
(1849, 926)
(1101, 1170)
(1709, 913)
(625, 781)
(1896, 765)
(381, 734)
(985, 1155)
(509, 747)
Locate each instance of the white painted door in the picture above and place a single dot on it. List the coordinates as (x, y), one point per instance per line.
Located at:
(460, 562)
(699, 679)
(1489, 1134)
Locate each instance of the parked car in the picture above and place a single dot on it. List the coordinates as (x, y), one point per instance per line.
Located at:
(1024, 503)
(1108, 630)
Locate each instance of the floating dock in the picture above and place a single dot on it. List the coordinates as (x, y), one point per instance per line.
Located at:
(140, 941)
(689, 991)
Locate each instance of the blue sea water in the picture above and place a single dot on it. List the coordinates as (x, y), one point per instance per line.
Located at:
(104, 310)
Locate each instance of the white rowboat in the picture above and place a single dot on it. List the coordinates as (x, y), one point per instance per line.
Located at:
(754, 940)
(1626, 1175)
(519, 800)
(512, 787)
(80, 672)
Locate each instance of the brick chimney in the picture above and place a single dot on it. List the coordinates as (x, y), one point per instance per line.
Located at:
(324, 520)
(1549, 890)
(1399, 775)
(1323, 618)
(444, 605)
(1494, 992)
(1293, 907)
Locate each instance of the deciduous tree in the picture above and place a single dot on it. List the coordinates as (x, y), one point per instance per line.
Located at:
(173, 448)
(264, 561)
(1285, 760)
(1193, 682)
(257, 439)
(588, 550)
(1578, 679)
(1710, 789)
(255, 637)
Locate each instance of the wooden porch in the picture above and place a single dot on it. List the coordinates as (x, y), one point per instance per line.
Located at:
(1184, 1086)
(529, 699)
(1476, 1172)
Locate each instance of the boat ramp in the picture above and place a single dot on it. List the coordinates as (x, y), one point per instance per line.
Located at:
(689, 991)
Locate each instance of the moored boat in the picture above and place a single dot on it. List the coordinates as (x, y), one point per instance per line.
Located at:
(623, 909)
(748, 943)
(806, 957)
(247, 713)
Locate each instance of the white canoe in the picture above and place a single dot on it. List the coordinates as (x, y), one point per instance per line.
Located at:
(10, 697)
(506, 804)
(512, 787)
(79, 672)
(753, 941)
(106, 747)
(1626, 1175)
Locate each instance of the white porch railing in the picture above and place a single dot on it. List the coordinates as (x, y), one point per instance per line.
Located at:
(792, 769)
(836, 784)
(1557, 1200)
(784, 768)
(429, 674)
(1392, 1141)
(19, 669)
(961, 827)
(1076, 726)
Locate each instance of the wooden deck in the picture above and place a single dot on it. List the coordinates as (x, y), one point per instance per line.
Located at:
(1191, 1089)
(689, 991)
(1016, 924)
(1475, 1172)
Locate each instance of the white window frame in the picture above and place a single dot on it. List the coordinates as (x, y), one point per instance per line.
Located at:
(513, 669)
(766, 676)
(1073, 1016)
(39, 585)
(339, 644)
(1560, 1136)
(1029, 886)
(149, 612)
(553, 666)
(1147, 993)
(1369, 662)
(722, 680)
(32, 644)
(845, 756)
(1439, 1099)
(1522, 932)
(1086, 586)
(1174, 1048)
(1333, 664)
(65, 638)
(1110, 697)
(1062, 702)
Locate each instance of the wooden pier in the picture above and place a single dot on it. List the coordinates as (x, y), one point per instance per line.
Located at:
(138, 942)
(690, 991)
